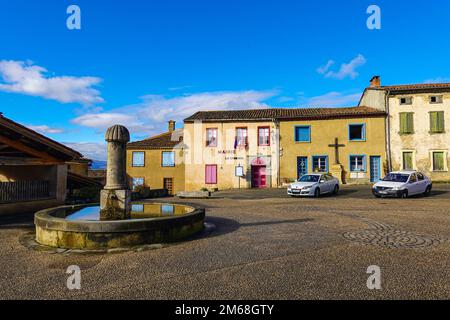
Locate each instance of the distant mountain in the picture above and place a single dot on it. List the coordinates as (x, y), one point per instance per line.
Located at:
(98, 165)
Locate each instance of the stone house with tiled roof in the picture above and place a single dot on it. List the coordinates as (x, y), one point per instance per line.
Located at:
(33, 169)
(417, 128)
(158, 162)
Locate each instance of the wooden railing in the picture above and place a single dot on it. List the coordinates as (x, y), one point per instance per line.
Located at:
(24, 191)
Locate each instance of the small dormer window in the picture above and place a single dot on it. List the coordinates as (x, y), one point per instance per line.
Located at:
(435, 99)
(406, 100)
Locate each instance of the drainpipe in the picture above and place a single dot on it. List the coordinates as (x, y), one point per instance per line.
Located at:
(388, 131)
(277, 128)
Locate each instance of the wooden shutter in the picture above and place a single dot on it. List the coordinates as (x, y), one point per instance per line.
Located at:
(438, 161)
(407, 161)
(437, 121)
(211, 174)
(406, 122)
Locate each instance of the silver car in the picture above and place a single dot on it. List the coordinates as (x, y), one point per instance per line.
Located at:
(402, 184)
(314, 185)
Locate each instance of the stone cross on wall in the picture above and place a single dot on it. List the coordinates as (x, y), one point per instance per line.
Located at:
(336, 147)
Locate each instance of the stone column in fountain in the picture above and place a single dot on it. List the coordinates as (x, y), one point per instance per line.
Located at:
(115, 198)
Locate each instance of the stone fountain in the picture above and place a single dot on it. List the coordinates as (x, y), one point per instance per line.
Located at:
(117, 222)
(115, 198)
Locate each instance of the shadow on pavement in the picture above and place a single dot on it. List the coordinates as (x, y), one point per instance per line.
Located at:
(17, 221)
(268, 223)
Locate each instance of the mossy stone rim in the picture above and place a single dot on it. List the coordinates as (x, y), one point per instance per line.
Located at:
(45, 220)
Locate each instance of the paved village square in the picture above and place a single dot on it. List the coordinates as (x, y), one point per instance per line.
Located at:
(264, 246)
(252, 151)
(202, 211)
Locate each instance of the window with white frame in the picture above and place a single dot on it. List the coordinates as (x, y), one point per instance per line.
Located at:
(241, 140)
(408, 160)
(439, 159)
(211, 137)
(138, 159)
(263, 136)
(358, 163)
(320, 164)
(168, 159)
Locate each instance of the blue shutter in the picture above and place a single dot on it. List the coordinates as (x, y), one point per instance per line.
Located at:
(302, 134)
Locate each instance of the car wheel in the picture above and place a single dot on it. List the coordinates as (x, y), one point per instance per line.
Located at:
(377, 196)
(336, 189)
(427, 191)
(317, 193)
(404, 194)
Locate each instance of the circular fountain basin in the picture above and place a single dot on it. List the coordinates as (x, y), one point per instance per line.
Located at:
(80, 227)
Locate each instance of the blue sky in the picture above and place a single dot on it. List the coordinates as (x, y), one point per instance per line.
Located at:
(141, 63)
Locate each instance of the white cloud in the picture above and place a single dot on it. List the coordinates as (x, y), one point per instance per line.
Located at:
(90, 150)
(26, 78)
(152, 114)
(438, 80)
(325, 68)
(346, 69)
(44, 129)
(333, 99)
(102, 121)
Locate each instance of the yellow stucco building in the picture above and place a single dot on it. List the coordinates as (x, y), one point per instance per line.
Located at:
(271, 147)
(262, 148)
(158, 162)
(346, 142)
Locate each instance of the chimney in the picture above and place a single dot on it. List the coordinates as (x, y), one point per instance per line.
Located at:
(171, 126)
(375, 82)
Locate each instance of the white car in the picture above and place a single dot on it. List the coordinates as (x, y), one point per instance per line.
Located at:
(402, 184)
(314, 185)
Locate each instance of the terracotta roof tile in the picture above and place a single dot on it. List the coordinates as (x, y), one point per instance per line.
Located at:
(285, 114)
(167, 140)
(416, 88)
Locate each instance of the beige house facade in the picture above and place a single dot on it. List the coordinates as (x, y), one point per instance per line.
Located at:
(418, 125)
(227, 153)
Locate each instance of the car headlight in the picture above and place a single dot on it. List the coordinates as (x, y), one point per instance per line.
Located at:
(307, 188)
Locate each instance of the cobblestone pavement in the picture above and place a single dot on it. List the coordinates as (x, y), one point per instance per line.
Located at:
(265, 245)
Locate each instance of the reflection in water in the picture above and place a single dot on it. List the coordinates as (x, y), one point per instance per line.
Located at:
(138, 211)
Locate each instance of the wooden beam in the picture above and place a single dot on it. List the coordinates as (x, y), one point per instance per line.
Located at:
(24, 148)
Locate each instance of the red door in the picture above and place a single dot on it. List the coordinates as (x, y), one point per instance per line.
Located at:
(259, 177)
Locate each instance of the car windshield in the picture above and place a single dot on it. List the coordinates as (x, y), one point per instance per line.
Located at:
(309, 178)
(396, 177)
